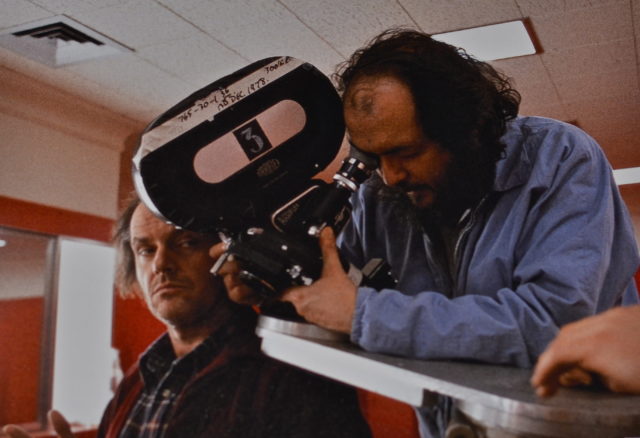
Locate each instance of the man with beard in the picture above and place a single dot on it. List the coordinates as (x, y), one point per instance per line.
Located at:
(500, 229)
(206, 376)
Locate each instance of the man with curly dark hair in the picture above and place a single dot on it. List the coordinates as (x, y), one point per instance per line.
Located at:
(500, 229)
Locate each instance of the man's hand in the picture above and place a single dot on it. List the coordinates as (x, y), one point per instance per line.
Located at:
(607, 344)
(238, 291)
(330, 301)
(57, 421)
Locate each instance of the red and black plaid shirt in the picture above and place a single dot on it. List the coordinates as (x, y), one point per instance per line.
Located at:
(226, 388)
(164, 377)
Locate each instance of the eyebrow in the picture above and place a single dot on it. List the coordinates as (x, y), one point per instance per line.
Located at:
(139, 240)
(397, 148)
(177, 234)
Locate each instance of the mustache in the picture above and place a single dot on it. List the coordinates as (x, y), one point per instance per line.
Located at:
(169, 283)
(418, 188)
(401, 191)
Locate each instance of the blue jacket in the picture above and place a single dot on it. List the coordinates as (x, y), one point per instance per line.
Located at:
(551, 244)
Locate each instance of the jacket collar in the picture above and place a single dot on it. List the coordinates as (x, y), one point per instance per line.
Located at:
(514, 168)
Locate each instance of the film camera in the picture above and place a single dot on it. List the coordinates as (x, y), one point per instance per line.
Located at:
(238, 158)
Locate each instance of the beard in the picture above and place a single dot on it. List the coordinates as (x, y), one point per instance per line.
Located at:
(466, 181)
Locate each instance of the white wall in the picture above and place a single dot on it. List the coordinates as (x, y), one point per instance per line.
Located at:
(83, 354)
(58, 150)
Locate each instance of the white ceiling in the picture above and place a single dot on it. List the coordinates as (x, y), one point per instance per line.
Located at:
(588, 70)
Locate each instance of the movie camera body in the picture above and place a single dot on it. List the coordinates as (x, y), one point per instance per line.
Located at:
(238, 158)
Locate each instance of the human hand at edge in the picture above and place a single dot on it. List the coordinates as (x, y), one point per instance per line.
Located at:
(606, 344)
(56, 420)
(331, 300)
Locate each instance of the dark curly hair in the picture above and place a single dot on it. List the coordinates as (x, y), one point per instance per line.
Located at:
(461, 103)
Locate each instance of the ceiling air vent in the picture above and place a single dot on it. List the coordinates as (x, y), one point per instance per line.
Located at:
(58, 31)
(59, 41)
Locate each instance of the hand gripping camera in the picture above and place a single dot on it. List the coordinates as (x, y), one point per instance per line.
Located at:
(238, 158)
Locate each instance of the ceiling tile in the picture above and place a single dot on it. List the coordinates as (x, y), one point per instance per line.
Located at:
(581, 27)
(348, 25)
(635, 5)
(155, 87)
(621, 148)
(538, 93)
(595, 59)
(638, 57)
(137, 24)
(531, 79)
(523, 69)
(258, 30)
(133, 107)
(198, 60)
(613, 128)
(614, 123)
(547, 7)
(435, 16)
(589, 86)
(602, 108)
(72, 6)
(15, 12)
(557, 111)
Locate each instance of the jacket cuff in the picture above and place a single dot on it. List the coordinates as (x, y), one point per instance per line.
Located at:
(357, 323)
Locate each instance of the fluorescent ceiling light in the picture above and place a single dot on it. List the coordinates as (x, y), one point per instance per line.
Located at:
(630, 175)
(496, 41)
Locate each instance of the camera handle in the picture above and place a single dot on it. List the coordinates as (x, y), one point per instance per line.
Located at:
(271, 261)
(355, 169)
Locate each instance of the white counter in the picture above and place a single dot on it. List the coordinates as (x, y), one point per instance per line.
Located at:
(496, 398)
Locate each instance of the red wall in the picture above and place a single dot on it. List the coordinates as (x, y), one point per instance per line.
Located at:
(133, 329)
(44, 219)
(388, 418)
(20, 343)
(20, 325)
